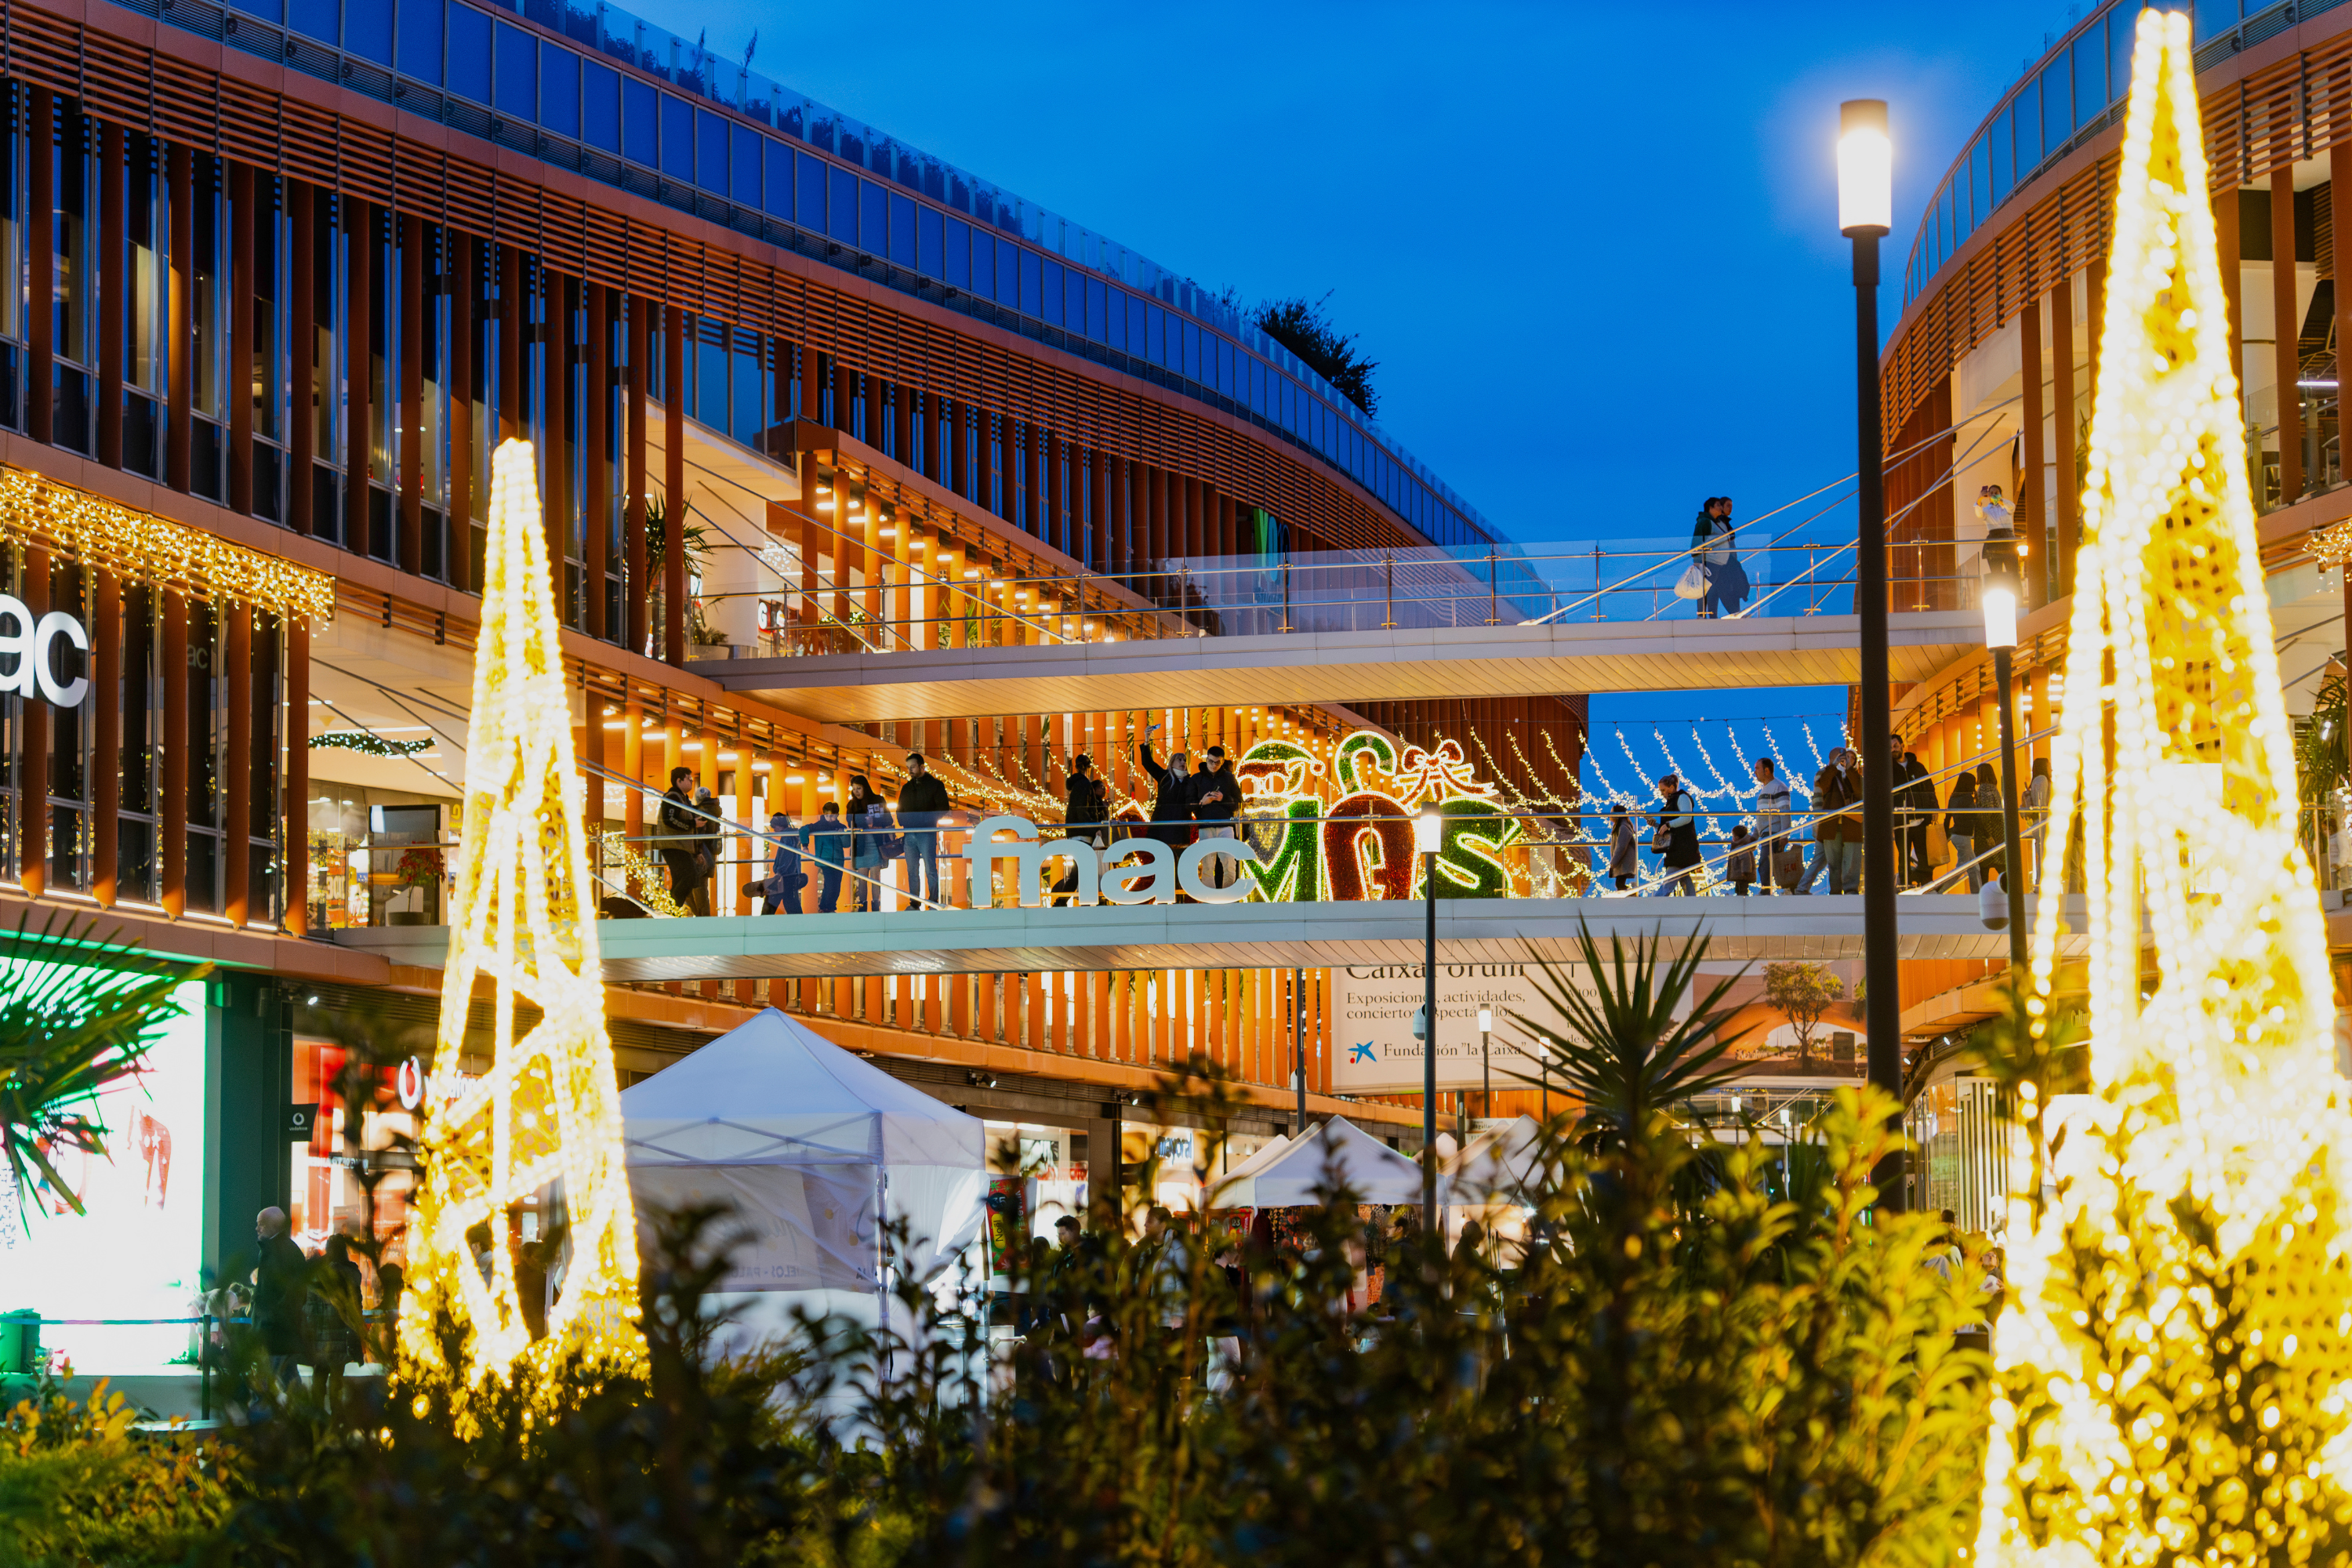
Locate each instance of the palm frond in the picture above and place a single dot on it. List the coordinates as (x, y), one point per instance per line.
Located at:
(78, 1012)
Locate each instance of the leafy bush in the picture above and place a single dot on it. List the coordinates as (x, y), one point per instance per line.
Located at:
(77, 1485)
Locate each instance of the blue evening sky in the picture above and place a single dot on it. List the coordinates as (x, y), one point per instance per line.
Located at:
(1593, 248)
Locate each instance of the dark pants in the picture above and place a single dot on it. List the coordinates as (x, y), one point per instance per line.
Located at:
(684, 877)
(828, 895)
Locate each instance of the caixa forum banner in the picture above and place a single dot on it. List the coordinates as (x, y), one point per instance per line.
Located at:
(1373, 1050)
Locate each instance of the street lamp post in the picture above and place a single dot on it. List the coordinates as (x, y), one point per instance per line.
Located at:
(1865, 214)
(1299, 1043)
(1486, 1062)
(1425, 839)
(1999, 596)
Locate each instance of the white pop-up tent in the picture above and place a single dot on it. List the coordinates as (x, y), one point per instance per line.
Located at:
(1337, 1153)
(809, 1143)
(1497, 1179)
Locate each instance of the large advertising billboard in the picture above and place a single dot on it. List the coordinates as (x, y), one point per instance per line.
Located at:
(137, 1251)
(1373, 1007)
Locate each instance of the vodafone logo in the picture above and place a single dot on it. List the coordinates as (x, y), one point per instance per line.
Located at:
(34, 644)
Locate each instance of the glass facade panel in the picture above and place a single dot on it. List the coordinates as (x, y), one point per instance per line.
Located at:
(841, 206)
(367, 30)
(1998, 151)
(1050, 296)
(1980, 184)
(2057, 106)
(810, 176)
(777, 192)
(983, 265)
(267, 10)
(517, 67)
(2090, 53)
(1008, 274)
(958, 262)
(1033, 283)
(469, 54)
(710, 152)
(743, 164)
(902, 230)
(676, 137)
(2027, 122)
(559, 90)
(640, 121)
(1097, 326)
(319, 19)
(420, 39)
(2120, 28)
(600, 106)
(873, 218)
(930, 243)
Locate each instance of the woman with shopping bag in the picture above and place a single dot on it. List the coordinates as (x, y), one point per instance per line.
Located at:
(1714, 558)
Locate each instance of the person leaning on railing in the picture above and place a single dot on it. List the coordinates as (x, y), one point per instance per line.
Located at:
(921, 803)
(826, 843)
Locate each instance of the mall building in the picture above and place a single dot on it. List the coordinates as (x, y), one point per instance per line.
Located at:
(283, 272)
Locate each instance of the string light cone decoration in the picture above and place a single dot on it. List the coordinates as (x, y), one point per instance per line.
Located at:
(2173, 1373)
(547, 1113)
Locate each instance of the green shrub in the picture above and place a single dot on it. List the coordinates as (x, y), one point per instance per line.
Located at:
(77, 1485)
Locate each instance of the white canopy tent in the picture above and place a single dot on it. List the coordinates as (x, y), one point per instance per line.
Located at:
(1336, 1153)
(1498, 1178)
(809, 1143)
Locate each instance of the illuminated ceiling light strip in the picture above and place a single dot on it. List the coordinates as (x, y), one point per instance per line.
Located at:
(2179, 1334)
(548, 1110)
(145, 548)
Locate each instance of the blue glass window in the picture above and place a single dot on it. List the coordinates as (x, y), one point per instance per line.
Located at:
(958, 270)
(676, 137)
(1997, 147)
(2119, 54)
(517, 80)
(640, 120)
(1098, 323)
(1192, 351)
(600, 106)
(777, 196)
(2057, 106)
(1139, 327)
(367, 30)
(983, 265)
(420, 40)
(1049, 300)
(558, 90)
(1158, 351)
(274, 11)
(1224, 367)
(841, 205)
(873, 218)
(902, 230)
(2027, 117)
(1979, 183)
(743, 164)
(929, 225)
(2090, 53)
(1008, 274)
(469, 54)
(1114, 319)
(1033, 284)
(316, 19)
(709, 169)
(809, 205)
(2215, 16)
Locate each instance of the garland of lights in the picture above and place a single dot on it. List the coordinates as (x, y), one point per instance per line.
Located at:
(145, 548)
(640, 877)
(367, 744)
(548, 1110)
(2173, 1378)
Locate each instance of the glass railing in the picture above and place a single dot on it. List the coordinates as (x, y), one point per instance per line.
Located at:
(1760, 574)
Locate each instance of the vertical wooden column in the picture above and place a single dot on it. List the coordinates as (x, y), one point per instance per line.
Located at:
(597, 511)
(112, 164)
(180, 170)
(33, 757)
(303, 416)
(297, 825)
(461, 270)
(2095, 284)
(2067, 504)
(2228, 241)
(236, 811)
(634, 590)
(514, 326)
(2286, 330)
(172, 807)
(106, 737)
(555, 348)
(359, 378)
(41, 271)
(633, 763)
(410, 401)
(748, 848)
(2032, 522)
(2339, 196)
(673, 487)
(242, 370)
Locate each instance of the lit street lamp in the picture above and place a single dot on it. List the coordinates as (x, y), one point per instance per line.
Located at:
(1425, 839)
(1486, 1062)
(1865, 214)
(2002, 578)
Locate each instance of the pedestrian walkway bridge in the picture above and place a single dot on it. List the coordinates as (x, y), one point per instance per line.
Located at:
(1396, 664)
(1235, 936)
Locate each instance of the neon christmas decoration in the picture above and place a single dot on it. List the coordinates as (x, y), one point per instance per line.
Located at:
(545, 1117)
(2176, 1374)
(1363, 846)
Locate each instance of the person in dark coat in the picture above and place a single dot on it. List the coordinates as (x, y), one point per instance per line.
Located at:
(1990, 829)
(1624, 848)
(922, 801)
(1087, 814)
(334, 1317)
(1914, 794)
(681, 833)
(281, 1288)
(1678, 822)
(825, 843)
(1216, 797)
(779, 893)
(1171, 806)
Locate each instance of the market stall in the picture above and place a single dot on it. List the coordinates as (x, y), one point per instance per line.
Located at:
(1497, 1179)
(809, 1144)
(1273, 1195)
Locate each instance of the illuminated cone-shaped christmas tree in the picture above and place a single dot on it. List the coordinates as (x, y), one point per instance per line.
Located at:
(2173, 1369)
(545, 1118)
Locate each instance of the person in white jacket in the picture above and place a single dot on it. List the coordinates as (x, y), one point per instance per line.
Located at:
(1771, 819)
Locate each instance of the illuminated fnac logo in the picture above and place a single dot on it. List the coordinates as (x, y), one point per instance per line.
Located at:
(28, 655)
(1132, 872)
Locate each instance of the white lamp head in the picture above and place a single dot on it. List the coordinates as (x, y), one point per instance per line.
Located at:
(1486, 1020)
(1425, 837)
(2000, 615)
(1866, 168)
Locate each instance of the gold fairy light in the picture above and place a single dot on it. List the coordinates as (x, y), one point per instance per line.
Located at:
(545, 1118)
(148, 549)
(2175, 1373)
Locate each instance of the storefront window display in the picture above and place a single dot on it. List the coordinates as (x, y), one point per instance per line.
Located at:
(378, 856)
(1034, 1165)
(332, 1173)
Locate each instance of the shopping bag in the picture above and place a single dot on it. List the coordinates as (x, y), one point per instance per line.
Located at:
(1787, 867)
(1693, 585)
(1939, 842)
